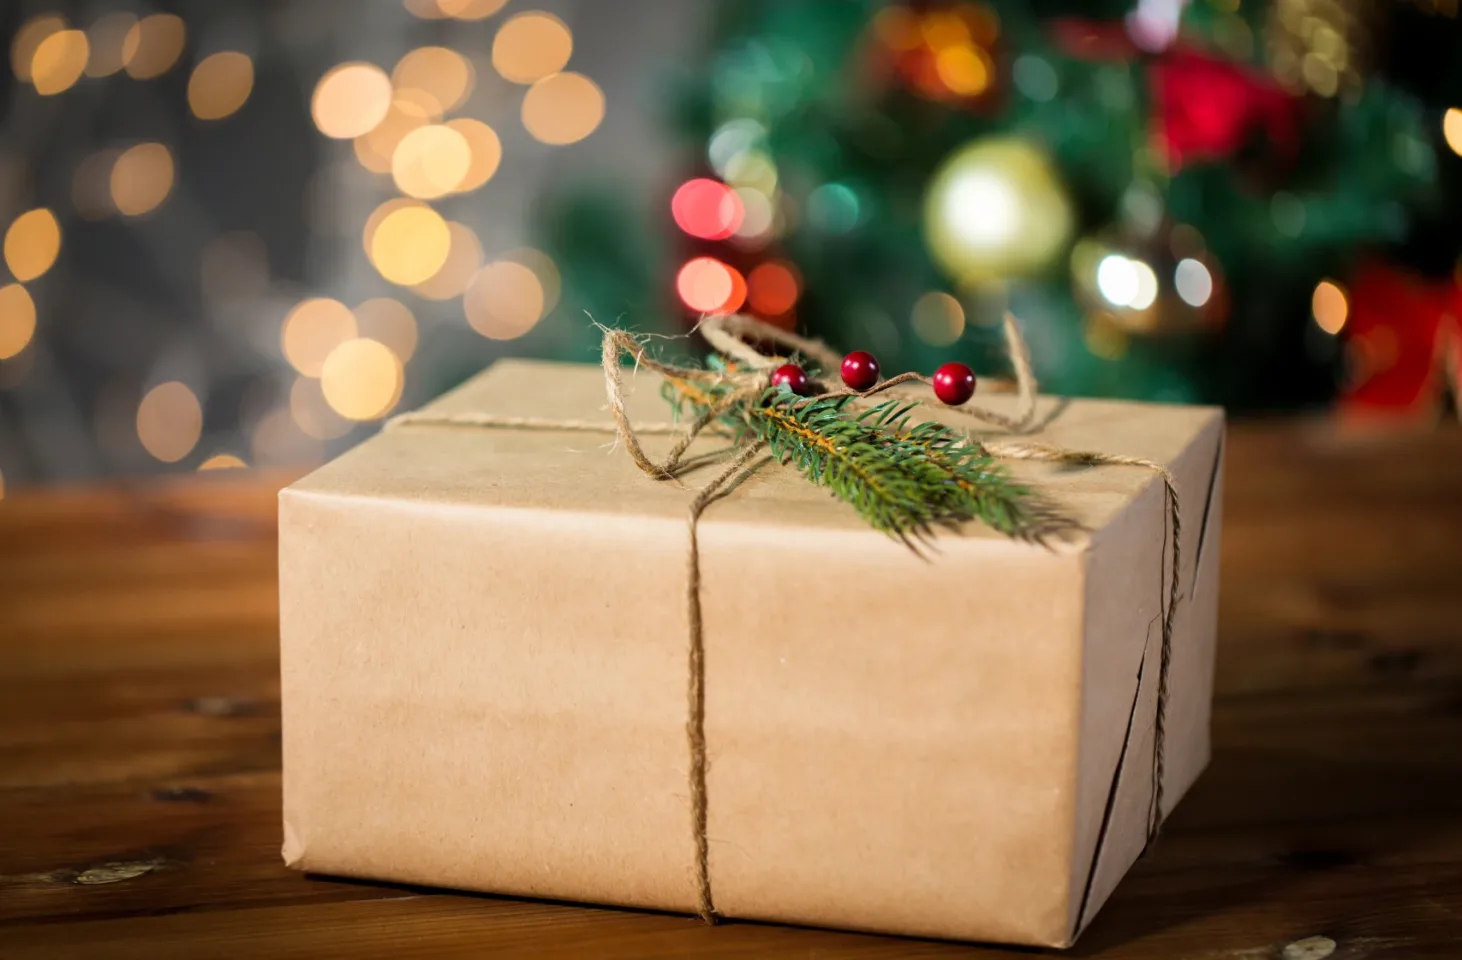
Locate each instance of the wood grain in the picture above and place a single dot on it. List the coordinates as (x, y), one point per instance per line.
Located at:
(139, 741)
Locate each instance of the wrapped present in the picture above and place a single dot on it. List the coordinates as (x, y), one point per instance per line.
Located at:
(510, 664)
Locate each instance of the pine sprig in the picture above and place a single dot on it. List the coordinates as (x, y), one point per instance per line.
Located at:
(905, 480)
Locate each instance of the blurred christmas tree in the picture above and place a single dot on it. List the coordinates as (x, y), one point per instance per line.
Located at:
(1174, 198)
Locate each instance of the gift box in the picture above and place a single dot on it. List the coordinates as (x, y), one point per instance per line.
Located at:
(484, 673)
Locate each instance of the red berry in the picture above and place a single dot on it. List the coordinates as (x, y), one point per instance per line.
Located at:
(860, 370)
(790, 375)
(954, 383)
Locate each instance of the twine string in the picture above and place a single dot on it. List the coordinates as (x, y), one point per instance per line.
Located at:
(735, 337)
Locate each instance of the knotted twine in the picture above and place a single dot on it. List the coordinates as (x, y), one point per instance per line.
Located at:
(748, 376)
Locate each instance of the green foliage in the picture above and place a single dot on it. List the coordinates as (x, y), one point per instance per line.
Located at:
(905, 480)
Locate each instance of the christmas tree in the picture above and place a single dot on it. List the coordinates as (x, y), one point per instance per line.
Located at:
(1207, 202)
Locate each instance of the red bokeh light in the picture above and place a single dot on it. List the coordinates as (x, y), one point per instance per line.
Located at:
(774, 288)
(707, 209)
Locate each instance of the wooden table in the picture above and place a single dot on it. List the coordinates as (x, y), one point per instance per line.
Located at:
(139, 742)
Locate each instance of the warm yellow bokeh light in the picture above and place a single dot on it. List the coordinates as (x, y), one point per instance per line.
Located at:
(368, 235)
(445, 76)
(142, 178)
(29, 38)
(425, 9)
(350, 100)
(59, 62)
(463, 261)
(275, 438)
(388, 321)
(375, 148)
(312, 414)
(563, 108)
(1330, 307)
(543, 268)
(1452, 129)
(91, 185)
(314, 328)
(222, 461)
(430, 161)
(964, 69)
(32, 243)
(220, 84)
(153, 45)
(107, 35)
(938, 319)
(169, 421)
(410, 245)
(17, 320)
(362, 379)
(470, 9)
(234, 266)
(530, 46)
(504, 300)
(486, 150)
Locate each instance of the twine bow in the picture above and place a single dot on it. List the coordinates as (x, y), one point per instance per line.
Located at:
(747, 376)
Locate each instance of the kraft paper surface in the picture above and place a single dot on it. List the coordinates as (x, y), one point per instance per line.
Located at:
(484, 674)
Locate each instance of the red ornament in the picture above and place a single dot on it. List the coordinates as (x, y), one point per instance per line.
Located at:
(1207, 108)
(790, 375)
(954, 383)
(860, 370)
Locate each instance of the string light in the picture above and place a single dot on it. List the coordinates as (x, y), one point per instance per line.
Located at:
(937, 318)
(32, 243)
(350, 100)
(220, 85)
(222, 461)
(410, 245)
(444, 76)
(152, 45)
(59, 62)
(563, 108)
(376, 148)
(485, 148)
(464, 258)
(1452, 129)
(312, 330)
(431, 161)
(142, 178)
(1330, 307)
(504, 300)
(17, 320)
(169, 421)
(107, 36)
(707, 209)
(531, 46)
(28, 39)
(390, 322)
(362, 379)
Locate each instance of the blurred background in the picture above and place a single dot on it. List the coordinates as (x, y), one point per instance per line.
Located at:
(242, 233)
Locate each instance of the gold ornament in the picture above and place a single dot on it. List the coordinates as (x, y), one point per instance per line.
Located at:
(996, 208)
(1166, 284)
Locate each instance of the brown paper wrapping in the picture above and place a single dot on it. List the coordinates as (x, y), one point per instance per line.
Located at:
(484, 647)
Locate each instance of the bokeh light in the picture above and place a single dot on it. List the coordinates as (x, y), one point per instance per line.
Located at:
(222, 461)
(937, 318)
(32, 243)
(444, 76)
(28, 39)
(431, 161)
(350, 100)
(376, 147)
(563, 108)
(773, 288)
(707, 209)
(220, 84)
(1193, 281)
(462, 263)
(1330, 306)
(1452, 129)
(276, 438)
(362, 379)
(964, 69)
(470, 9)
(485, 148)
(543, 267)
(425, 9)
(410, 244)
(107, 37)
(169, 421)
(153, 44)
(531, 46)
(17, 320)
(706, 285)
(388, 321)
(758, 215)
(504, 300)
(91, 185)
(59, 62)
(312, 330)
(142, 178)
(312, 413)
